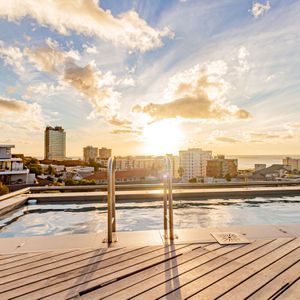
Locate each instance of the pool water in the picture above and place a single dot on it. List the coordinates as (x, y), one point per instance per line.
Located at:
(59, 219)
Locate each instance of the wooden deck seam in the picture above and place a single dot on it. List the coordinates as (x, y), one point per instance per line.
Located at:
(243, 265)
(244, 280)
(90, 272)
(149, 267)
(185, 272)
(270, 280)
(56, 261)
(124, 268)
(223, 264)
(30, 262)
(182, 263)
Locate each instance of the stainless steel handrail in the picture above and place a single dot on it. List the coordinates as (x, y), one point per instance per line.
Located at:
(168, 200)
(111, 199)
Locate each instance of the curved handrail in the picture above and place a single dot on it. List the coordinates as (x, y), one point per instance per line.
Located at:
(111, 199)
(168, 199)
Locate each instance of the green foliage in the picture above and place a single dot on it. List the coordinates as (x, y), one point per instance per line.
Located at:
(193, 180)
(36, 169)
(71, 182)
(3, 189)
(51, 170)
(180, 172)
(228, 177)
(93, 163)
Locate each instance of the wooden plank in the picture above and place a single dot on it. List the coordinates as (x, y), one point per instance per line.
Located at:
(95, 275)
(260, 279)
(18, 259)
(277, 284)
(3, 256)
(293, 292)
(230, 280)
(185, 281)
(47, 264)
(27, 261)
(71, 267)
(83, 268)
(168, 271)
(44, 260)
(134, 281)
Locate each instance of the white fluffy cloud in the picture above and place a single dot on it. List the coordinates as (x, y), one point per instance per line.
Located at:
(198, 93)
(259, 9)
(92, 84)
(20, 114)
(86, 17)
(12, 56)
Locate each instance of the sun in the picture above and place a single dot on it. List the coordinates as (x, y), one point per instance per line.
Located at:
(162, 137)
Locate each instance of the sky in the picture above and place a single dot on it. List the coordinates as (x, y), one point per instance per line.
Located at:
(151, 77)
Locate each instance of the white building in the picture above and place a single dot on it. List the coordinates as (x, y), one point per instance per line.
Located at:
(294, 163)
(193, 162)
(55, 143)
(11, 169)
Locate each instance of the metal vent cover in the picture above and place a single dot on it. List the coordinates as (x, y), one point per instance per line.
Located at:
(229, 238)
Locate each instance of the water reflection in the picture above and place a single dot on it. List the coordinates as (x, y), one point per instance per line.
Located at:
(59, 219)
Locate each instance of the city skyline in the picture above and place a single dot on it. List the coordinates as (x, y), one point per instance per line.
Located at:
(140, 79)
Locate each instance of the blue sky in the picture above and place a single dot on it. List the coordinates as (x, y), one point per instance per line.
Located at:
(150, 77)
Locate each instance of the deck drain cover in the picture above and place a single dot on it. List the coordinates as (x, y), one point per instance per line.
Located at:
(228, 238)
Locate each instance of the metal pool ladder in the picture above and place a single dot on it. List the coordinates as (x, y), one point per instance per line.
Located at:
(111, 200)
(168, 200)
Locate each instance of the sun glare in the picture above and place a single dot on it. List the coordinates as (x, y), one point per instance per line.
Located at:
(162, 137)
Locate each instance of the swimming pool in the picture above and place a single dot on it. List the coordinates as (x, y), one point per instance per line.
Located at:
(59, 219)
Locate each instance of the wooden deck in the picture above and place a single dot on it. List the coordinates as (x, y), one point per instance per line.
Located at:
(263, 269)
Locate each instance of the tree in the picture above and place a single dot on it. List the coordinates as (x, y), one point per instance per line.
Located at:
(3, 189)
(36, 169)
(228, 177)
(193, 180)
(51, 170)
(93, 163)
(180, 172)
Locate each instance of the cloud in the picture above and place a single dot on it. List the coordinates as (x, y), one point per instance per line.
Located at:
(20, 114)
(86, 17)
(127, 131)
(49, 58)
(42, 89)
(90, 49)
(198, 93)
(92, 84)
(243, 66)
(95, 86)
(12, 56)
(295, 125)
(226, 139)
(264, 136)
(259, 9)
(117, 121)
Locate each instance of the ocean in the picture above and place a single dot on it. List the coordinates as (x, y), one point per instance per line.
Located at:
(248, 161)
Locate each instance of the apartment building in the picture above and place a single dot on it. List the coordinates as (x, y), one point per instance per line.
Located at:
(219, 167)
(11, 169)
(193, 162)
(104, 153)
(55, 143)
(90, 153)
(294, 163)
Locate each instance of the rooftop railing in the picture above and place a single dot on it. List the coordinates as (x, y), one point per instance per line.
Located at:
(168, 200)
(111, 201)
